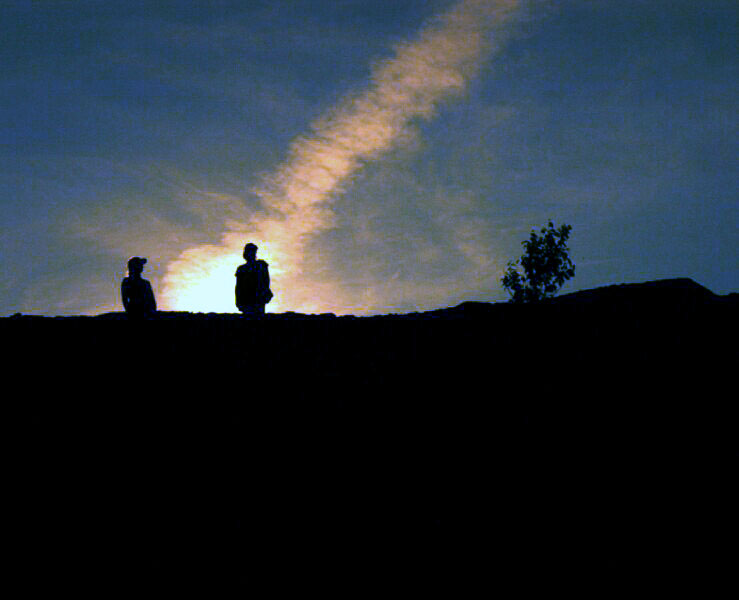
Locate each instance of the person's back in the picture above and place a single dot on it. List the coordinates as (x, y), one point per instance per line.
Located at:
(252, 283)
(136, 293)
(251, 279)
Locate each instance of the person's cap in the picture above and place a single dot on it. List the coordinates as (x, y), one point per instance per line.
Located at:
(136, 260)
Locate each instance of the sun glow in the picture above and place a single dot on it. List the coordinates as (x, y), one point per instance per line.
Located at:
(296, 198)
(207, 284)
(210, 287)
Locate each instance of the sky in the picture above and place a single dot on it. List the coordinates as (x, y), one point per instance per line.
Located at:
(387, 156)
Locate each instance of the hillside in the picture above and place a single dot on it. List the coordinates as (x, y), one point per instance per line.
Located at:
(478, 443)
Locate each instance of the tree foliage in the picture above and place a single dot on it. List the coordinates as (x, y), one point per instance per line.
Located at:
(546, 265)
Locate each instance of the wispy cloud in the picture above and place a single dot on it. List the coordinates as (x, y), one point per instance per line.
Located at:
(296, 198)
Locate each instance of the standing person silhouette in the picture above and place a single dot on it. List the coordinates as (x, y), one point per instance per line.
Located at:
(252, 283)
(136, 292)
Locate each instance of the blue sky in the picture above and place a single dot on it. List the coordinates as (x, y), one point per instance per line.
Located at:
(149, 128)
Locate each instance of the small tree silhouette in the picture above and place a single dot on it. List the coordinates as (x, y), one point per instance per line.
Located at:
(546, 265)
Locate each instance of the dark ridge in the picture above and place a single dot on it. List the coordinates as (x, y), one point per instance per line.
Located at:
(685, 291)
(681, 290)
(592, 436)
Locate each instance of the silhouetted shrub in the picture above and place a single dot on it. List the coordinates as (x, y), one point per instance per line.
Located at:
(546, 265)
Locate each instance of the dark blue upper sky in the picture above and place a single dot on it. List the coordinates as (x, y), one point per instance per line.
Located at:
(143, 127)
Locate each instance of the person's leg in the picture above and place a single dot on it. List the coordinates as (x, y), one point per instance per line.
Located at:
(254, 310)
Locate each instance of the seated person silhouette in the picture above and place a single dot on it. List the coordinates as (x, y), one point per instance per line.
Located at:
(136, 292)
(252, 283)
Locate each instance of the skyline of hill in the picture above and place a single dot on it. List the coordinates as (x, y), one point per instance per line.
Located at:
(681, 286)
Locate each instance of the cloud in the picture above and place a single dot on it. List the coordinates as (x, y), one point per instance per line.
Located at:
(296, 199)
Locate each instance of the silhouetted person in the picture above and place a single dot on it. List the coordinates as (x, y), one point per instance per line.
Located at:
(252, 283)
(136, 292)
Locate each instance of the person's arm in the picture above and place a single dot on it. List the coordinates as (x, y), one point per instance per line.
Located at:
(152, 299)
(124, 294)
(265, 294)
(238, 292)
(265, 274)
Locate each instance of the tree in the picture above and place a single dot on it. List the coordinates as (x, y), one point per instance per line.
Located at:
(546, 265)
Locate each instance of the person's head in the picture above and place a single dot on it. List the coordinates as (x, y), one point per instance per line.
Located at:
(250, 251)
(136, 265)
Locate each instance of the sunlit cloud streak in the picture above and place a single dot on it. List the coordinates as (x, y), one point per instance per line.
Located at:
(296, 198)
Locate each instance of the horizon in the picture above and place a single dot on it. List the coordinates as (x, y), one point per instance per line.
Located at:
(602, 289)
(387, 158)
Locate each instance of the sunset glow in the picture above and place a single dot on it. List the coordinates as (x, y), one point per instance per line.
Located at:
(385, 155)
(207, 284)
(425, 72)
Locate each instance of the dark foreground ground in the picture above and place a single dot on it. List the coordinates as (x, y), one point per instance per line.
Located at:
(588, 441)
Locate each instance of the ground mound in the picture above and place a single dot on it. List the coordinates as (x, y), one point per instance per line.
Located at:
(451, 448)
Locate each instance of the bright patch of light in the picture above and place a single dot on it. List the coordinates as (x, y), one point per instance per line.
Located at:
(208, 284)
